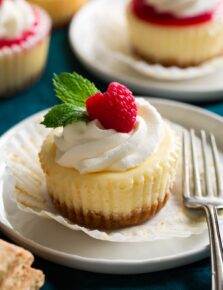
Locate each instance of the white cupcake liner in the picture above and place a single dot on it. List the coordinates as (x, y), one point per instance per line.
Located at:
(109, 39)
(23, 63)
(25, 182)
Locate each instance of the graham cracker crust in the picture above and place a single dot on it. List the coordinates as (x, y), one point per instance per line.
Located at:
(171, 62)
(94, 220)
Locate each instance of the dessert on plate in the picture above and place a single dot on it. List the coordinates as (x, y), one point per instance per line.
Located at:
(176, 32)
(61, 11)
(112, 160)
(24, 39)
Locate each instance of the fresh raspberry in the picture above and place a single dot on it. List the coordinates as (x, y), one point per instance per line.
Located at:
(115, 109)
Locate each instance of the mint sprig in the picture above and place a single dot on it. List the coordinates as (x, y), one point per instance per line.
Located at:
(73, 90)
(64, 114)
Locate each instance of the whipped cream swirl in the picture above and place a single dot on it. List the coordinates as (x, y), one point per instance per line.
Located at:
(16, 17)
(91, 148)
(183, 8)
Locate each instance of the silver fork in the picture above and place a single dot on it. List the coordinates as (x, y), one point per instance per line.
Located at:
(205, 198)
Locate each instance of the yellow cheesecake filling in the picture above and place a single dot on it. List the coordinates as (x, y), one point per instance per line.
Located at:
(18, 70)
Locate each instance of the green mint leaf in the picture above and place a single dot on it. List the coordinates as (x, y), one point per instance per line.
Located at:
(64, 114)
(73, 89)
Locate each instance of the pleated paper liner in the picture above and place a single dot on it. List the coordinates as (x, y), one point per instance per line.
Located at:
(117, 49)
(30, 193)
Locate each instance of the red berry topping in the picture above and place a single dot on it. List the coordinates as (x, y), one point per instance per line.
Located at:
(115, 109)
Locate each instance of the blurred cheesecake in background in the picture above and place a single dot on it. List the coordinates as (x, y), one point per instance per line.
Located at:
(61, 11)
(176, 32)
(24, 39)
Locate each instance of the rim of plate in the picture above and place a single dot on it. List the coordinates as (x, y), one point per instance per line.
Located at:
(102, 72)
(42, 251)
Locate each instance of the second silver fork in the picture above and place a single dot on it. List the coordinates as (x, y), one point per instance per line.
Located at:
(205, 198)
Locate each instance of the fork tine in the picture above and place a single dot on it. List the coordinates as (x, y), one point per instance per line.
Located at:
(197, 183)
(206, 202)
(207, 177)
(186, 177)
(216, 166)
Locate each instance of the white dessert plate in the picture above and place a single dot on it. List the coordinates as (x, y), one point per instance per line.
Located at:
(88, 45)
(56, 243)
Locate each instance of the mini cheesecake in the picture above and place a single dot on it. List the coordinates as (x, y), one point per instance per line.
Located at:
(111, 160)
(23, 56)
(112, 200)
(170, 40)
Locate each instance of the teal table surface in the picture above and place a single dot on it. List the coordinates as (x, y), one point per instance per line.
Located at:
(40, 96)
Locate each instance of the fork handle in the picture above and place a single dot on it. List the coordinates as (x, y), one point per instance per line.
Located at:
(216, 247)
